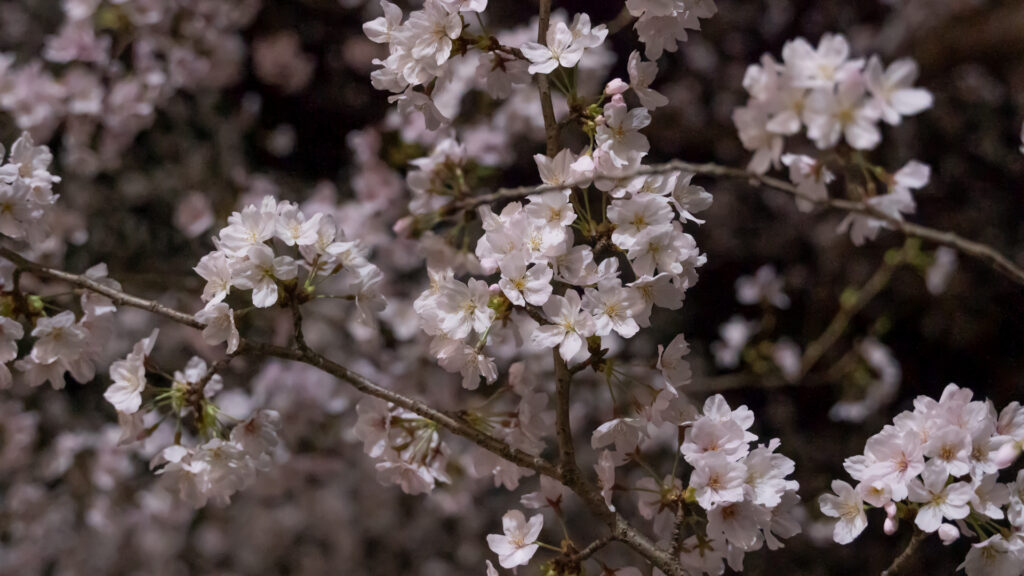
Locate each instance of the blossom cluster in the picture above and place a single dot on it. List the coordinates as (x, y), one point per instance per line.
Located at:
(418, 49)
(939, 466)
(743, 490)
(219, 467)
(408, 447)
(26, 190)
(64, 342)
(249, 257)
(825, 92)
(833, 98)
(112, 65)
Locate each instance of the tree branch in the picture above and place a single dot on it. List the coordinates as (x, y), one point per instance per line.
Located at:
(305, 355)
(901, 561)
(544, 87)
(981, 252)
(563, 429)
(878, 281)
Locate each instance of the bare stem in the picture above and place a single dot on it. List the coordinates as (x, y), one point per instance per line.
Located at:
(900, 562)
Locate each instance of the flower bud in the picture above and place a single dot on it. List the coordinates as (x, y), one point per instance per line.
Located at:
(403, 226)
(948, 534)
(615, 87)
(1007, 454)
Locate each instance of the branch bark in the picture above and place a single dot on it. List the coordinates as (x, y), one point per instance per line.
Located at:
(900, 562)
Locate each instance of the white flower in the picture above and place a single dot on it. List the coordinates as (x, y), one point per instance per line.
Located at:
(565, 168)
(690, 199)
(821, 67)
(58, 337)
(560, 50)
(892, 90)
(830, 115)
(569, 327)
(764, 287)
(641, 74)
(940, 501)
(670, 361)
(10, 332)
(623, 432)
(848, 507)
(463, 307)
(619, 134)
(994, 557)
(380, 29)
(751, 122)
(811, 178)
(431, 30)
(219, 319)
(613, 307)
(129, 376)
(521, 285)
(716, 480)
(215, 268)
(518, 544)
(249, 228)
(260, 271)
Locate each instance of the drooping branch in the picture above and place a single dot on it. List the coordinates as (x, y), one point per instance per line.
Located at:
(302, 354)
(981, 252)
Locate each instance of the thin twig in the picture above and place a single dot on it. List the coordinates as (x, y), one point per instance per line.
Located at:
(878, 281)
(901, 561)
(593, 547)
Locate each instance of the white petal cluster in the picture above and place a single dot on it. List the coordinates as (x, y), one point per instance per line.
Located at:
(26, 190)
(564, 44)
(743, 489)
(408, 449)
(827, 94)
(252, 255)
(941, 461)
(215, 470)
(418, 49)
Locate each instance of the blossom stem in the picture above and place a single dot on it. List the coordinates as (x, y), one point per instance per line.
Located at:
(900, 562)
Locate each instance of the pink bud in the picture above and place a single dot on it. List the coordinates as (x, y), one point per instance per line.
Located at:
(615, 86)
(403, 226)
(890, 509)
(1007, 454)
(892, 522)
(617, 100)
(948, 534)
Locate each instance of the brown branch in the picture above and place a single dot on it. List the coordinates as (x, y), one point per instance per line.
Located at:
(116, 296)
(305, 355)
(981, 252)
(563, 429)
(594, 547)
(900, 562)
(543, 87)
(878, 281)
